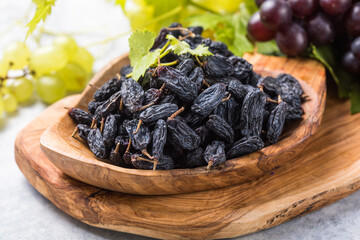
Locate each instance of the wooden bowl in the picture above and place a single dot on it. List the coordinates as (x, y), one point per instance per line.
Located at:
(75, 159)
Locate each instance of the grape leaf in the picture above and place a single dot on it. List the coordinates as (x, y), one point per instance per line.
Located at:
(342, 79)
(181, 47)
(43, 10)
(144, 63)
(268, 48)
(355, 98)
(140, 42)
(241, 45)
(347, 83)
(230, 29)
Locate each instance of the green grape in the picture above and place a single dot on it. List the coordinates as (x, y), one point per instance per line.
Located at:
(50, 88)
(22, 88)
(47, 59)
(2, 107)
(4, 90)
(83, 58)
(18, 54)
(74, 77)
(4, 67)
(10, 102)
(67, 43)
(139, 14)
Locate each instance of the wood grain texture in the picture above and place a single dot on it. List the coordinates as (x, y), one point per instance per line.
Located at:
(75, 159)
(328, 169)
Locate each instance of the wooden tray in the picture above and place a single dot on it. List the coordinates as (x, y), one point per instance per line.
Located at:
(74, 158)
(326, 171)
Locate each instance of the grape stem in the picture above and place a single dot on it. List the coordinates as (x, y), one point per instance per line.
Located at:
(198, 60)
(24, 73)
(165, 47)
(170, 63)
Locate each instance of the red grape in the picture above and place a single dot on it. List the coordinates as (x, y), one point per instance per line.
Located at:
(292, 40)
(351, 63)
(275, 14)
(355, 47)
(303, 8)
(320, 29)
(335, 7)
(257, 30)
(352, 20)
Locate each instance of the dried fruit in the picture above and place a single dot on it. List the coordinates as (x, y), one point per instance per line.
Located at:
(178, 83)
(208, 100)
(156, 112)
(194, 158)
(80, 116)
(110, 130)
(141, 138)
(215, 153)
(218, 66)
(108, 89)
(220, 128)
(276, 122)
(252, 113)
(181, 134)
(97, 144)
(159, 139)
(132, 95)
(188, 108)
(244, 146)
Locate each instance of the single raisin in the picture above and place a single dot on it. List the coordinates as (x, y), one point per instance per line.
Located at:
(220, 128)
(215, 153)
(97, 144)
(244, 146)
(181, 134)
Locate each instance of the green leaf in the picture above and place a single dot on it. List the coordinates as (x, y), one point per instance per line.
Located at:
(140, 42)
(241, 45)
(342, 78)
(43, 10)
(201, 50)
(206, 20)
(230, 29)
(144, 63)
(268, 48)
(250, 6)
(355, 98)
(182, 47)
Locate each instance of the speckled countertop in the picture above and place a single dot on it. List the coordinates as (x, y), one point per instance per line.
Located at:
(25, 214)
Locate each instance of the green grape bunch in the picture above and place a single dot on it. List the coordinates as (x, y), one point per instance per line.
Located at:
(50, 71)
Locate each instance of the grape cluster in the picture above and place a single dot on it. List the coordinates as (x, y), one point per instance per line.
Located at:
(295, 23)
(50, 70)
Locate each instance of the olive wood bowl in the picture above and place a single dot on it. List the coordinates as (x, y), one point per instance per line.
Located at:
(73, 156)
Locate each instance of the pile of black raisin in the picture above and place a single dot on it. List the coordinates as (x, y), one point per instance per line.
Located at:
(189, 115)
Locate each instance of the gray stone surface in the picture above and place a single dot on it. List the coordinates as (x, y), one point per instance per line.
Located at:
(25, 214)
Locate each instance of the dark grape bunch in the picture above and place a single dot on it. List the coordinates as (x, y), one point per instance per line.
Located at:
(197, 112)
(296, 23)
